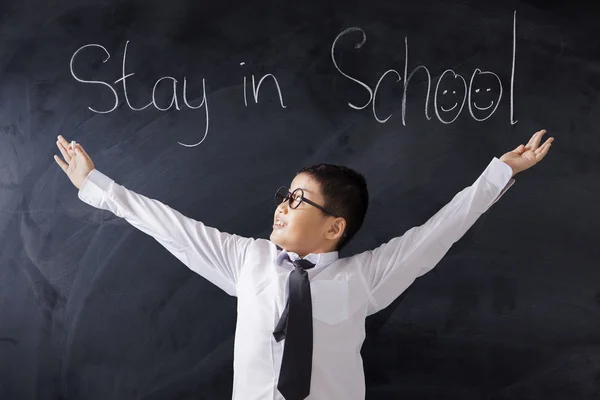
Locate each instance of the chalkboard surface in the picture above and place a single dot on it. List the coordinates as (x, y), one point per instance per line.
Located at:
(211, 106)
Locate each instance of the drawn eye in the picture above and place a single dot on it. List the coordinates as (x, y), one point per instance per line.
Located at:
(445, 91)
(488, 89)
(454, 91)
(477, 90)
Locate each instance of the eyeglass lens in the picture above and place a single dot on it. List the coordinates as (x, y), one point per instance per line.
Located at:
(284, 194)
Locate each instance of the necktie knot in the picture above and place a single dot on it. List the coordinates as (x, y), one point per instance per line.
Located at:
(302, 263)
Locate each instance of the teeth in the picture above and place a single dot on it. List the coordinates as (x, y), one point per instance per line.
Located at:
(279, 223)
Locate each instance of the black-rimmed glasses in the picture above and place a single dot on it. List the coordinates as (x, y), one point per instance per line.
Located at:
(295, 198)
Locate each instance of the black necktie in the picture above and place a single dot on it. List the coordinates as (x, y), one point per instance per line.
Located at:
(295, 325)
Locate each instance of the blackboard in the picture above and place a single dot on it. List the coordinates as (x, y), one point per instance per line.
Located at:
(211, 106)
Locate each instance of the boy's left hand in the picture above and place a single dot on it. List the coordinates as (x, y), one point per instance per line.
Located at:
(526, 156)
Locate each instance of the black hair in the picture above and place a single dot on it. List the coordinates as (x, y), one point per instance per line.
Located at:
(345, 194)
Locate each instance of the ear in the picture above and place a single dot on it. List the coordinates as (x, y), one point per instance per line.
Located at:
(336, 229)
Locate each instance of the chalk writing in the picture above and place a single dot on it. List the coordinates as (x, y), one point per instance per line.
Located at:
(448, 110)
(95, 82)
(482, 94)
(481, 104)
(512, 71)
(256, 88)
(123, 81)
(203, 103)
(473, 102)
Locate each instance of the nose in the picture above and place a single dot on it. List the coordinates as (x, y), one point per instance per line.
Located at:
(283, 207)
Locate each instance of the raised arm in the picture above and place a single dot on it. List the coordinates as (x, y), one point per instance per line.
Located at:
(215, 255)
(389, 269)
(392, 267)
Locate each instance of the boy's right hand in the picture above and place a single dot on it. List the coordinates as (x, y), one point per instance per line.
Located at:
(77, 164)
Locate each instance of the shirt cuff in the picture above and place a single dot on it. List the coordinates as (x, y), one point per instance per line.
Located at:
(499, 174)
(93, 188)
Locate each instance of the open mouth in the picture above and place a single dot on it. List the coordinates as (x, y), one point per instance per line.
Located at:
(279, 225)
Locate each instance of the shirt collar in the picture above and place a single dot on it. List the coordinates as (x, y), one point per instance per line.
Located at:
(319, 259)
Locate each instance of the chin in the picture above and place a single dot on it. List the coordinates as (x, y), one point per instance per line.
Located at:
(278, 240)
(275, 239)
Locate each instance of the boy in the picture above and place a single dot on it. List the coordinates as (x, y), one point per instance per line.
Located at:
(320, 307)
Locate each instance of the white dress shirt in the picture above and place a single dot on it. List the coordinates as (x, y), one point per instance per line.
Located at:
(344, 290)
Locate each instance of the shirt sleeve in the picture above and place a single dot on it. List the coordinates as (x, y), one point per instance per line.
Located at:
(392, 267)
(217, 256)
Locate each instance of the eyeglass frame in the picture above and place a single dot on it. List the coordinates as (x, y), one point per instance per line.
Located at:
(288, 198)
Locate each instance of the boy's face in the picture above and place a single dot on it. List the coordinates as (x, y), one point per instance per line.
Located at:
(307, 229)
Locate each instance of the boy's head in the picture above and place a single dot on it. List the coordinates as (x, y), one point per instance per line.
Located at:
(340, 200)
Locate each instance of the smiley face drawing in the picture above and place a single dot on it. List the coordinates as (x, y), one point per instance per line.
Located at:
(455, 88)
(485, 92)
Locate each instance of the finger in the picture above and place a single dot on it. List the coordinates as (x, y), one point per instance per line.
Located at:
(63, 141)
(545, 146)
(79, 147)
(63, 165)
(528, 145)
(540, 156)
(537, 138)
(64, 151)
(532, 145)
(543, 151)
